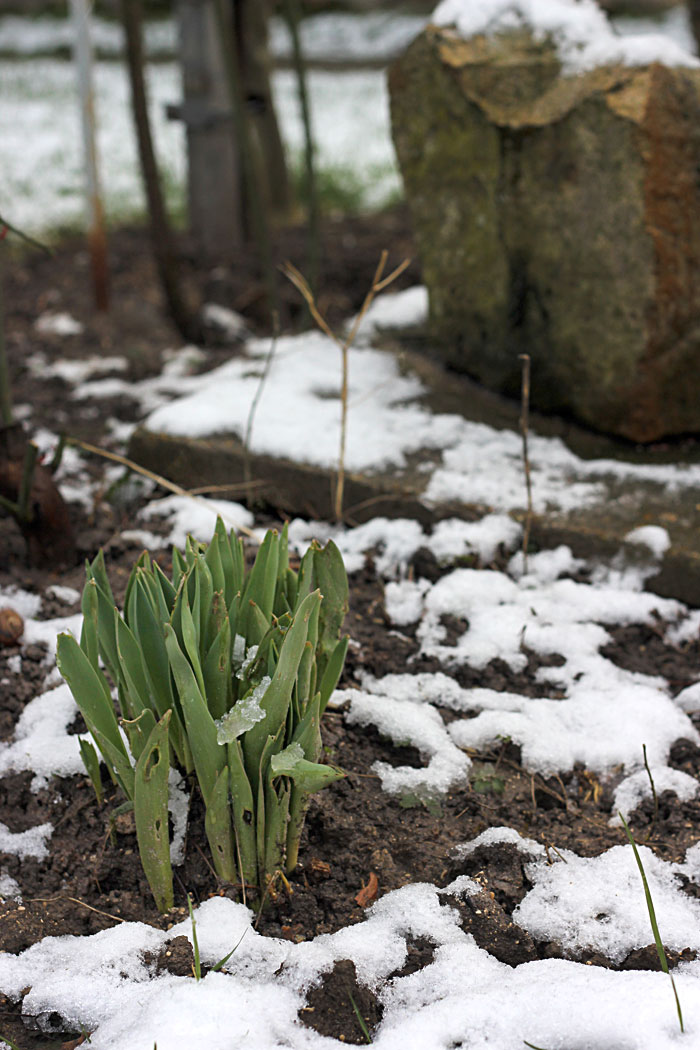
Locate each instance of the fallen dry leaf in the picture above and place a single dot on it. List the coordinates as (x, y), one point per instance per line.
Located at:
(369, 892)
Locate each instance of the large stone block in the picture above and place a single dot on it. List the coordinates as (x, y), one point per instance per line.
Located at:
(558, 216)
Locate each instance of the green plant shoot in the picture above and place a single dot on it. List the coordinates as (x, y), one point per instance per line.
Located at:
(222, 672)
(652, 919)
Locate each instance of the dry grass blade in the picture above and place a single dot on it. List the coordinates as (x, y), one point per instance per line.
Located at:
(158, 478)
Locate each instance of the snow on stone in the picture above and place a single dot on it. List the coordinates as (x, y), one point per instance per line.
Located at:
(454, 538)
(229, 322)
(9, 888)
(67, 595)
(303, 383)
(653, 537)
(29, 843)
(406, 309)
(497, 836)
(75, 372)
(583, 36)
(635, 788)
(545, 566)
(58, 324)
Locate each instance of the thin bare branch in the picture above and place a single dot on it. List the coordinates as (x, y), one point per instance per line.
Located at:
(158, 478)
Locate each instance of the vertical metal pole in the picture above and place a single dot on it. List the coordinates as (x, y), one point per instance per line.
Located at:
(97, 241)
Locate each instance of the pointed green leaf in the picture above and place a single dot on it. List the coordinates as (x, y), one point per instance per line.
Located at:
(219, 829)
(262, 580)
(333, 671)
(216, 673)
(91, 762)
(89, 638)
(243, 815)
(278, 696)
(209, 758)
(151, 814)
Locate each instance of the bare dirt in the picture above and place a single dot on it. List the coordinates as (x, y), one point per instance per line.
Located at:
(359, 843)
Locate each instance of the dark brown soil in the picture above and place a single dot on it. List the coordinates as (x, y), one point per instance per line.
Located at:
(356, 836)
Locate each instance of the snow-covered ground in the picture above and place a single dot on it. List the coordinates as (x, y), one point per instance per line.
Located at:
(42, 184)
(603, 715)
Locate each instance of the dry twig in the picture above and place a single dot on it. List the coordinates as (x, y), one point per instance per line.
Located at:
(379, 283)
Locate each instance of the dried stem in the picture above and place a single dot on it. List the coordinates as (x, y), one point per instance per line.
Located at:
(25, 236)
(524, 425)
(379, 283)
(158, 478)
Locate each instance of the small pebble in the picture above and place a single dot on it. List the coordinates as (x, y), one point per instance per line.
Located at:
(11, 626)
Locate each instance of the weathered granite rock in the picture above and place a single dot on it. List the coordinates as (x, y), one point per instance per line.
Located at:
(558, 216)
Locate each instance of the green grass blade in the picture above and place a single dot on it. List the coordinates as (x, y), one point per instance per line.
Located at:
(271, 747)
(151, 814)
(361, 1021)
(222, 962)
(195, 942)
(652, 918)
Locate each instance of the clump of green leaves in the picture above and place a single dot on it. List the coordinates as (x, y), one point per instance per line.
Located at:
(224, 673)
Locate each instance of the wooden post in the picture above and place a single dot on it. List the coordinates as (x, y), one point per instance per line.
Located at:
(214, 172)
(97, 240)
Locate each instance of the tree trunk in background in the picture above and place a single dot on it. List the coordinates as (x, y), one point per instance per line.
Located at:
(161, 234)
(250, 27)
(214, 167)
(694, 12)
